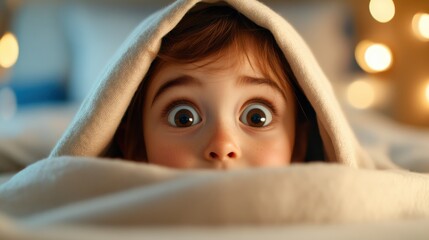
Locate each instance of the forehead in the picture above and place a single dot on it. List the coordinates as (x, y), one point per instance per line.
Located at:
(226, 62)
(232, 70)
(250, 56)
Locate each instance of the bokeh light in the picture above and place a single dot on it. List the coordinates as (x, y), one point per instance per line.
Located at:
(378, 57)
(9, 50)
(382, 10)
(361, 94)
(420, 26)
(373, 57)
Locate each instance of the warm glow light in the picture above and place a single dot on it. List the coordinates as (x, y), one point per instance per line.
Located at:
(378, 57)
(427, 92)
(373, 57)
(421, 26)
(361, 94)
(360, 54)
(9, 50)
(382, 10)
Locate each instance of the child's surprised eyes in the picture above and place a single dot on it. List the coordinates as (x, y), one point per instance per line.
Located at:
(256, 115)
(182, 116)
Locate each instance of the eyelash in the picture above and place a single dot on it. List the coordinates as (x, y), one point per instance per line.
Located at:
(178, 102)
(264, 101)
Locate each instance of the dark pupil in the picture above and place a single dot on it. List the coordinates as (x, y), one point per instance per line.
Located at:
(184, 118)
(256, 118)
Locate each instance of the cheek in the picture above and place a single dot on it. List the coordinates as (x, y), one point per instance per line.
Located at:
(271, 154)
(274, 149)
(168, 153)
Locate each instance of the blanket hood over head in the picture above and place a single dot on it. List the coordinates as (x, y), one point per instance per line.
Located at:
(95, 124)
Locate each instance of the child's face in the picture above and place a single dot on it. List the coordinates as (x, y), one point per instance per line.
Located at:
(222, 115)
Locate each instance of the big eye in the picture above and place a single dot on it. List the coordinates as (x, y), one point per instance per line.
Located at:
(256, 115)
(183, 116)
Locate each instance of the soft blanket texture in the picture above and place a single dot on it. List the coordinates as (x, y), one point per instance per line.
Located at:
(74, 186)
(99, 191)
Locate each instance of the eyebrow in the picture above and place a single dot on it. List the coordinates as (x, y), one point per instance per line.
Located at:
(186, 80)
(247, 80)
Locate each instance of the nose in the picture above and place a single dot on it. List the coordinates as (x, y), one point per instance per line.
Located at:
(222, 146)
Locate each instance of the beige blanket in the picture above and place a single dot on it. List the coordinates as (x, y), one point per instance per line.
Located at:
(99, 191)
(83, 198)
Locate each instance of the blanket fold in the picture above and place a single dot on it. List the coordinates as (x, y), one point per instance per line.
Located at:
(89, 191)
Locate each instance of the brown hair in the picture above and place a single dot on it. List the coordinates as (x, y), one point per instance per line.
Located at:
(208, 33)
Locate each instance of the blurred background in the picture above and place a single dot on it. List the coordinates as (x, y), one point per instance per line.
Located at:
(375, 52)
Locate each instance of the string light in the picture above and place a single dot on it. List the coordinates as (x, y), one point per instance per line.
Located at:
(420, 25)
(373, 57)
(378, 57)
(382, 10)
(9, 50)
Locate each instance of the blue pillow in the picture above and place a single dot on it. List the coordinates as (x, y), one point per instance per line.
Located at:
(39, 91)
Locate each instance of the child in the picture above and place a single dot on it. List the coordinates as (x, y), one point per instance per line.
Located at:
(219, 94)
(213, 85)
